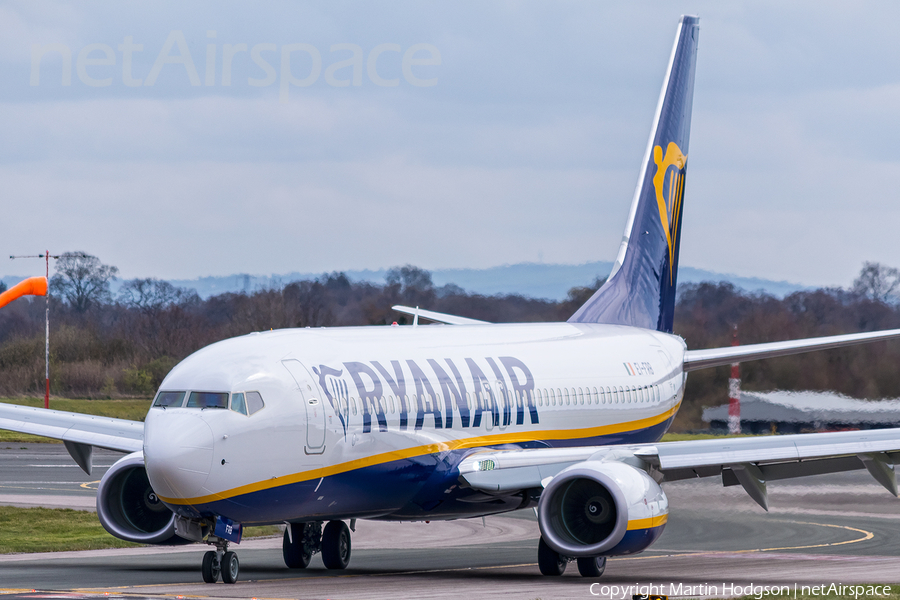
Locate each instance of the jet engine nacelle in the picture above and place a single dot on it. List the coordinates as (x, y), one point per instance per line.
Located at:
(602, 509)
(128, 507)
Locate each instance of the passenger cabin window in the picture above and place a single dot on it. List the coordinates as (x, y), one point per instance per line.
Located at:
(167, 399)
(238, 404)
(254, 402)
(207, 400)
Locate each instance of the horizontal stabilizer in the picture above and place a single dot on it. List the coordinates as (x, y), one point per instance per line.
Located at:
(716, 357)
(438, 317)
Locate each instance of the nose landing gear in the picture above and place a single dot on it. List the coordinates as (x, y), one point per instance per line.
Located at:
(220, 561)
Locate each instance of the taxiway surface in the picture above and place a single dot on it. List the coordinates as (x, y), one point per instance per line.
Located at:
(837, 528)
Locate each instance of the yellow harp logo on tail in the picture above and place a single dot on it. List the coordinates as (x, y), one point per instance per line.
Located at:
(669, 193)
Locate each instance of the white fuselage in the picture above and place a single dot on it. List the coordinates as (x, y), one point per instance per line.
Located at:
(371, 421)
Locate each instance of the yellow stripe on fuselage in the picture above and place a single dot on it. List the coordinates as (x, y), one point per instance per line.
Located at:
(461, 444)
(648, 523)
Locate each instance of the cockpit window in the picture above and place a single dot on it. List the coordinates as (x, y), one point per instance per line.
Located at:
(207, 400)
(166, 399)
(238, 404)
(254, 402)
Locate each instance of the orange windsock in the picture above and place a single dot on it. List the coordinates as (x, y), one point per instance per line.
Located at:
(33, 286)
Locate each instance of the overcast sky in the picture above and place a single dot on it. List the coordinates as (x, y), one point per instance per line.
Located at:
(473, 134)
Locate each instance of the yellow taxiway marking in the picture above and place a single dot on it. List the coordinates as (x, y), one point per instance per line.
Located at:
(867, 535)
(86, 485)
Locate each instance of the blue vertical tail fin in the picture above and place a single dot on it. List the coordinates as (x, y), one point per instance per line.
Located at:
(640, 290)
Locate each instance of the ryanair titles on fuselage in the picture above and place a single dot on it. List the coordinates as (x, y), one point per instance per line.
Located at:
(439, 389)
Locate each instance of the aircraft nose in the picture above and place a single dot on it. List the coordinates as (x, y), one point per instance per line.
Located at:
(178, 453)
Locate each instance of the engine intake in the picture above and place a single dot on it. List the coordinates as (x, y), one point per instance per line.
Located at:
(601, 509)
(129, 509)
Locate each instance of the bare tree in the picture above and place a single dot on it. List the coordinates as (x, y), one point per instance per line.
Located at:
(412, 285)
(82, 280)
(878, 282)
(2, 287)
(152, 295)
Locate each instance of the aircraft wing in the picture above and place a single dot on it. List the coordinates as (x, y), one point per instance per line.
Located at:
(715, 357)
(746, 461)
(79, 432)
(437, 316)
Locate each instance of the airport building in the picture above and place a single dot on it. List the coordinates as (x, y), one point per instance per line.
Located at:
(798, 412)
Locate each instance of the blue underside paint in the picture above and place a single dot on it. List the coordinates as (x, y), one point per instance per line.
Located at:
(636, 540)
(419, 488)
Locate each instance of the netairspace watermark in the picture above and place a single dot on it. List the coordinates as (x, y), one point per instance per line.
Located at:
(730, 590)
(95, 64)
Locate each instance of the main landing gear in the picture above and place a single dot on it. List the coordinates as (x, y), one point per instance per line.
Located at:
(302, 540)
(553, 563)
(220, 562)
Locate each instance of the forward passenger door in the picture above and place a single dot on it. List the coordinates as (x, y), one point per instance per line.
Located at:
(314, 406)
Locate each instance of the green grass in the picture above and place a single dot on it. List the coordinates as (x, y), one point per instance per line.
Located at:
(52, 530)
(64, 529)
(133, 410)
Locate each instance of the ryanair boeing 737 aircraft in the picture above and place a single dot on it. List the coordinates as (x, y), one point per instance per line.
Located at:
(315, 428)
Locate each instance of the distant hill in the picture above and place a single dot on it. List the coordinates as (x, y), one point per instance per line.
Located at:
(528, 279)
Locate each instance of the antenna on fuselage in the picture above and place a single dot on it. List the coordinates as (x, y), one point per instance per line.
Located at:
(416, 318)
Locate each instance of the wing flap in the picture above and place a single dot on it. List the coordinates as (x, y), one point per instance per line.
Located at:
(716, 357)
(770, 449)
(75, 428)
